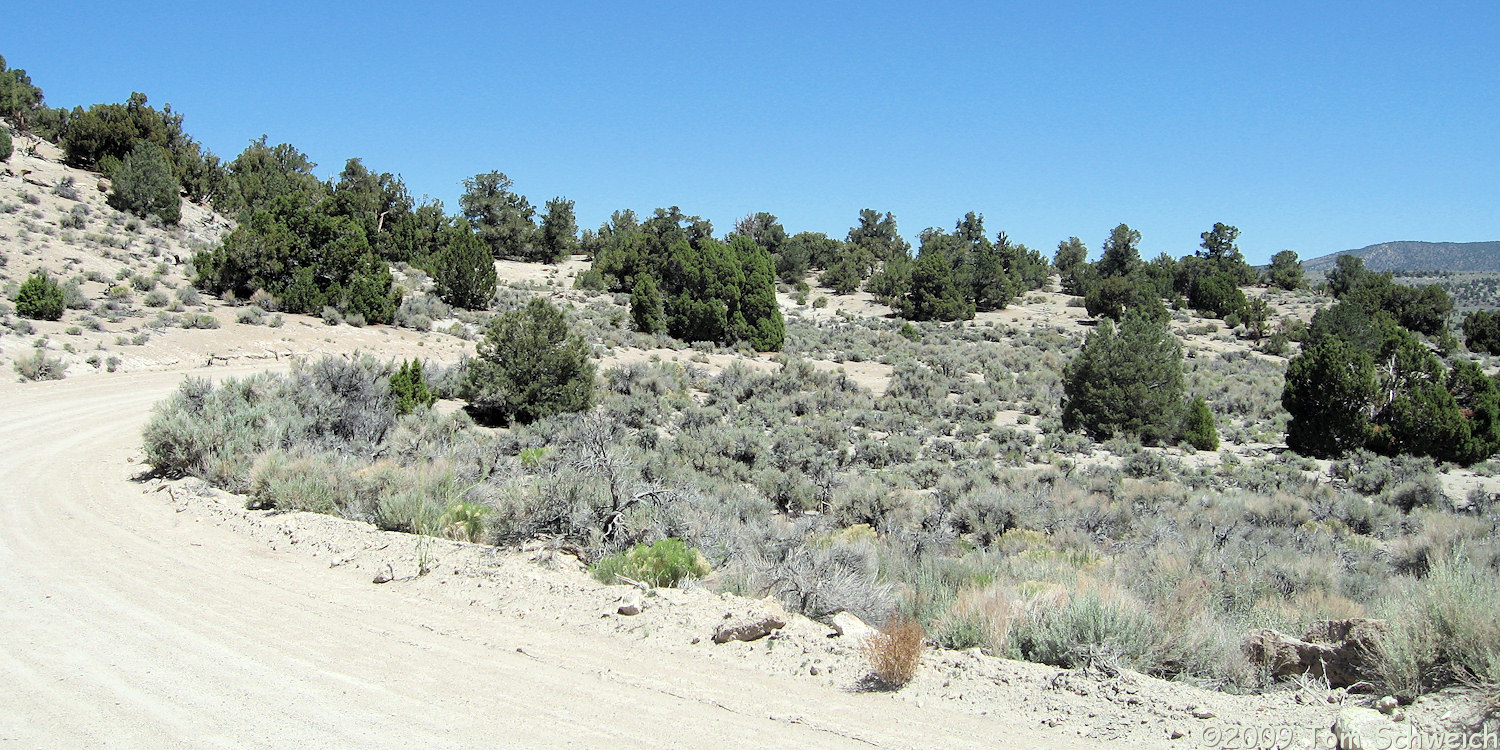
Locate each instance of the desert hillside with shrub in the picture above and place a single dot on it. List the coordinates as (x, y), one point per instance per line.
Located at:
(962, 485)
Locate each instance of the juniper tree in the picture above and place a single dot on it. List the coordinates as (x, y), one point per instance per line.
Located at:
(18, 98)
(1127, 381)
(464, 269)
(1121, 252)
(143, 184)
(1217, 295)
(40, 298)
(646, 310)
(1072, 266)
(530, 365)
(1328, 392)
(934, 292)
(1198, 428)
(1482, 331)
(558, 236)
(503, 218)
(1285, 271)
(409, 388)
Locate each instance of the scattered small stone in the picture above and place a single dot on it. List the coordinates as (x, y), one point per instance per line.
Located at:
(815, 670)
(1202, 713)
(1387, 704)
(1176, 734)
(385, 576)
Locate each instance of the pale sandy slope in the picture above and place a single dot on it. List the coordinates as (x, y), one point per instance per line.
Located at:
(126, 624)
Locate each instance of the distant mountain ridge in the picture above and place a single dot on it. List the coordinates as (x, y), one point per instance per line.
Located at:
(1419, 256)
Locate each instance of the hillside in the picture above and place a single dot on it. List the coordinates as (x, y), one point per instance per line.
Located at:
(860, 433)
(1419, 256)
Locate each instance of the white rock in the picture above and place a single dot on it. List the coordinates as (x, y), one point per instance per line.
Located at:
(1363, 729)
(849, 626)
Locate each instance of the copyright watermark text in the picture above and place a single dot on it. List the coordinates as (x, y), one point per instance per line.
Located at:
(1384, 738)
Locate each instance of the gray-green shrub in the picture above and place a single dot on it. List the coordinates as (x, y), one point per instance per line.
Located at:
(40, 366)
(1443, 630)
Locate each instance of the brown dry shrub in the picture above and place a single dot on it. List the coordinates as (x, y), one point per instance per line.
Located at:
(895, 651)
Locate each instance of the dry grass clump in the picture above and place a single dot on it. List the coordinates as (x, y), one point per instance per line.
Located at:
(982, 616)
(895, 652)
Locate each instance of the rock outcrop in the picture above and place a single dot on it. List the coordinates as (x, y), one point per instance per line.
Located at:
(1343, 651)
(756, 623)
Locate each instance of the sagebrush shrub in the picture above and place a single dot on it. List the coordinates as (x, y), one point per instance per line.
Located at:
(818, 577)
(39, 366)
(1072, 629)
(1443, 630)
(216, 433)
(317, 484)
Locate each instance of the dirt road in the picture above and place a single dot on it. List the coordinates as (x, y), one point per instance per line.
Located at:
(124, 623)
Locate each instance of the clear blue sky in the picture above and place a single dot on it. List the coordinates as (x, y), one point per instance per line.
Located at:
(1311, 126)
